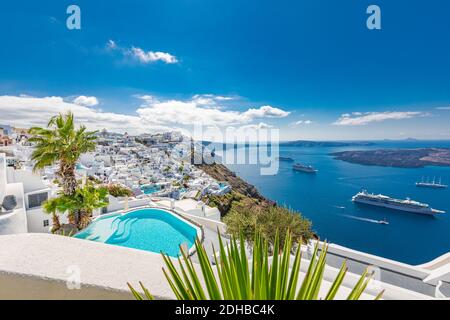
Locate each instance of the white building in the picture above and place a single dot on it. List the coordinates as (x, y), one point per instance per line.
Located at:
(14, 221)
(30, 192)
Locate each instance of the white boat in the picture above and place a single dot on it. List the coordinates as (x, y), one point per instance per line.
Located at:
(431, 184)
(304, 168)
(407, 205)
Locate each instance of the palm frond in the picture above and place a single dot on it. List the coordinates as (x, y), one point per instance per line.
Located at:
(61, 143)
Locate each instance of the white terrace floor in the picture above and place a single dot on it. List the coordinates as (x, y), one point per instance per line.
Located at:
(38, 266)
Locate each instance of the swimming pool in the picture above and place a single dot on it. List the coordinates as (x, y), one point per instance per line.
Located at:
(150, 188)
(149, 229)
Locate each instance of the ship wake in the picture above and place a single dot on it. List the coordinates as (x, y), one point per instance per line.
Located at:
(364, 219)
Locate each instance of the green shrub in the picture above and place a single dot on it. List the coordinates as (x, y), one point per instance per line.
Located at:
(117, 190)
(267, 221)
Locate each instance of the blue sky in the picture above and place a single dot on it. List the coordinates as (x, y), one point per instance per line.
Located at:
(310, 68)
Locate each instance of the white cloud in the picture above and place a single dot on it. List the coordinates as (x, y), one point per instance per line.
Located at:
(204, 100)
(266, 112)
(361, 119)
(86, 101)
(152, 56)
(111, 45)
(222, 98)
(201, 110)
(185, 113)
(145, 97)
(215, 97)
(140, 55)
(258, 126)
(151, 115)
(32, 111)
(211, 100)
(300, 122)
(443, 108)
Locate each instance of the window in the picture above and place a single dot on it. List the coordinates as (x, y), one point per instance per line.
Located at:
(35, 200)
(46, 223)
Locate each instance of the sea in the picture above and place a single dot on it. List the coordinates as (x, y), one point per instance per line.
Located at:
(325, 199)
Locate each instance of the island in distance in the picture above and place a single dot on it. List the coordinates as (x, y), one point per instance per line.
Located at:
(402, 158)
(308, 143)
(297, 143)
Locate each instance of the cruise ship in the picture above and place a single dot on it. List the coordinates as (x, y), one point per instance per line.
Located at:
(304, 168)
(407, 205)
(431, 184)
(287, 159)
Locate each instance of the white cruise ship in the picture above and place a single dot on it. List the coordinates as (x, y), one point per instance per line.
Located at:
(407, 205)
(304, 168)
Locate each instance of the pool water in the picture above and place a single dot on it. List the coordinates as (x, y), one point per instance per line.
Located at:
(79, 166)
(150, 189)
(147, 229)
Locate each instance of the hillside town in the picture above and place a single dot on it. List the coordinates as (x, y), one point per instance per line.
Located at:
(158, 201)
(154, 167)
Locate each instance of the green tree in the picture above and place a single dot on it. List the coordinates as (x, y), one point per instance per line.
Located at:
(61, 143)
(117, 190)
(88, 199)
(80, 205)
(267, 221)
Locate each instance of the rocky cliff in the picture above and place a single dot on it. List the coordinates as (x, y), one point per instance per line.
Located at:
(243, 194)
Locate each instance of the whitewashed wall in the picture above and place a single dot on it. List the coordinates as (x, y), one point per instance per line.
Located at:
(16, 221)
(2, 176)
(116, 204)
(35, 221)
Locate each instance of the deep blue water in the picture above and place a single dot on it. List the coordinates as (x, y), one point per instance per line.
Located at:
(325, 199)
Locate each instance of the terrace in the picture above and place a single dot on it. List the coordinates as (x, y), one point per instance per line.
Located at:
(25, 271)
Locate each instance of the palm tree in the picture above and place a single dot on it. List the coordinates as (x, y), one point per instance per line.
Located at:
(88, 199)
(61, 143)
(80, 205)
(261, 278)
(57, 205)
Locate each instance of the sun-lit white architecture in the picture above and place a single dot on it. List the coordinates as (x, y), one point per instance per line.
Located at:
(30, 191)
(36, 264)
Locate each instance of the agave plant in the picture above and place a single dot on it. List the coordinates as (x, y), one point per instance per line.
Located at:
(264, 277)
